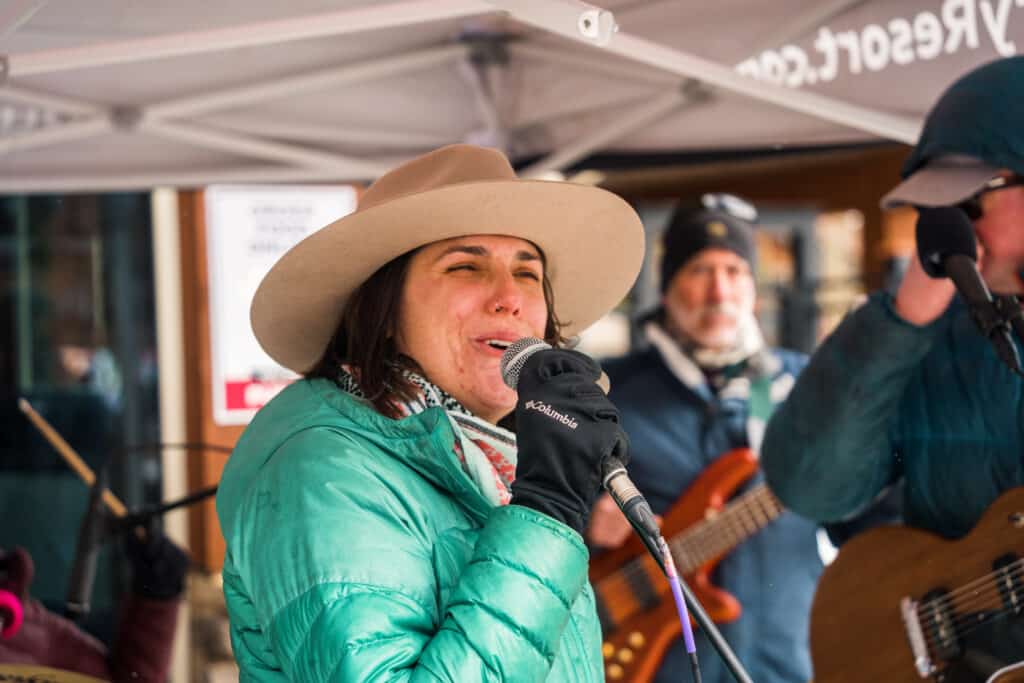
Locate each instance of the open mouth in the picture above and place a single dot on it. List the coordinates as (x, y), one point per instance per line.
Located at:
(497, 344)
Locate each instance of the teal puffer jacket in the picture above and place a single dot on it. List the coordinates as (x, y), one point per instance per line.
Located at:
(358, 550)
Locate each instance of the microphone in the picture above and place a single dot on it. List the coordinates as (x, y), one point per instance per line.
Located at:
(635, 508)
(947, 248)
(90, 534)
(613, 477)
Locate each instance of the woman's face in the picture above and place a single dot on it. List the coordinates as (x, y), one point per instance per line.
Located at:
(464, 300)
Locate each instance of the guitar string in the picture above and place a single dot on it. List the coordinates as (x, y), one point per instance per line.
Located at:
(705, 537)
(961, 632)
(750, 508)
(758, 507)
(962, 624)
(971, 586)
(988, 592)
(966, 611)
(695, 539)
(955, 599)
(733, 519)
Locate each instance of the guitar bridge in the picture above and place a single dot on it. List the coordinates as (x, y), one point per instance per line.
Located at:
(918, 646)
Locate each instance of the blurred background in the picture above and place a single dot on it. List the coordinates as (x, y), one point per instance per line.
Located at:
(156, 158)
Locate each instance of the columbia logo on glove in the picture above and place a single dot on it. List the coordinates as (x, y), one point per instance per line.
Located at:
(544, 408)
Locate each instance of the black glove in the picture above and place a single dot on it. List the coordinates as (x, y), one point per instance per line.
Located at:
(565, 429)
(158, 565)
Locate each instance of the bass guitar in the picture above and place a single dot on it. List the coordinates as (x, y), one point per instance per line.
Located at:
(899, 604)
(634, 602)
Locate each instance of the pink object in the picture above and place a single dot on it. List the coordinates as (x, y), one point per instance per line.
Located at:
(11, 614)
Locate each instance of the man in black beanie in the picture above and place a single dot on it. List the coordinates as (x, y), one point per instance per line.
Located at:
(704, 387)
(707, 286)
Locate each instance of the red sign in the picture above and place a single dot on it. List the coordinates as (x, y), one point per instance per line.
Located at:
(251, 394)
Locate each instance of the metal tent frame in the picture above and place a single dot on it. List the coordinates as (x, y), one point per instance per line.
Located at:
(677, 80)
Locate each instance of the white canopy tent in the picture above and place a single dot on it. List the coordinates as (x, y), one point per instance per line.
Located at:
(117, 94)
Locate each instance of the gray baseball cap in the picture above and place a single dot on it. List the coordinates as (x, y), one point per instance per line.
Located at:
(975, 130)
(945, 181)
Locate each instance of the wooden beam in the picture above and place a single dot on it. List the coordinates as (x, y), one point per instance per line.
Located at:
(204, 468)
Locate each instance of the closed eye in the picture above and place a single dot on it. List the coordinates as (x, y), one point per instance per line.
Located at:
(460, 266)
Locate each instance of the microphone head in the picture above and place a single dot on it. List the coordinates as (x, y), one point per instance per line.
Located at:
(515, 357)
(941, 232)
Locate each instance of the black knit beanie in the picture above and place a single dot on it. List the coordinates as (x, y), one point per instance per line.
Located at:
(694, 229)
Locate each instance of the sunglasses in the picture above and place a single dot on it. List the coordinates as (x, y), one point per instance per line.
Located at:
(729, 204)
(972, 205)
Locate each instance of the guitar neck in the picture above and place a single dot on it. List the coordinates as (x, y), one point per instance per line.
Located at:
(722, 530)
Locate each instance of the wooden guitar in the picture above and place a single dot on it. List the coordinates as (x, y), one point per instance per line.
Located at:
(638, 614)
(896, 603)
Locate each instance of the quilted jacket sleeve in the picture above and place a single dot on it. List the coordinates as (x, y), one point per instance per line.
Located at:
(827, 450)
(340, 572)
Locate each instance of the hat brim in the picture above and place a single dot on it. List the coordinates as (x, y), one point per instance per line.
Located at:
(593, 242)
(940, 184)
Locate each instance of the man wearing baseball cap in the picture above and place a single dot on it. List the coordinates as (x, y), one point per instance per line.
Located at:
(704, 387)
(906, 387)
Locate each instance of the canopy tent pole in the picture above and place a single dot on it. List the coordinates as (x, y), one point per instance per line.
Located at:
(389, 15)
(125, 181)
(635, 72)
(59, 103)
(65, 132)
(586, 62)
(580, 107)
(485, 101)
(153, 119)
(594, 26)
(322, 79)
(637, 118)
(274, 151)
(319, 133)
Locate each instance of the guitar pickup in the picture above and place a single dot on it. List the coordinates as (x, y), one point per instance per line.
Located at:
(1007, 578)
(939, 621)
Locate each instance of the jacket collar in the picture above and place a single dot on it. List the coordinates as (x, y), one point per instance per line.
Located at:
(424, 442)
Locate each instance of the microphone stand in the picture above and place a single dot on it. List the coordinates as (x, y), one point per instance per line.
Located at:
(1009, 307)
(638, 512)
(97, 527)
(739, 673)
(990, 316)
(144, 515)
(91, 534)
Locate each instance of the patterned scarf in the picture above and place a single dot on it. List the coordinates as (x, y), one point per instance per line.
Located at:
(755, 379)
(486, 452)
(749, 341)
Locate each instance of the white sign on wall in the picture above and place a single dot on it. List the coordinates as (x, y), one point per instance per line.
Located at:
(248, 228)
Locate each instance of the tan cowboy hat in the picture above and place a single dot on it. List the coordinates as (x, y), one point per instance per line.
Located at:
(593, 242)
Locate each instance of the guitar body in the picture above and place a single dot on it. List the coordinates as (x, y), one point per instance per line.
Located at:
(857, 628)
(1011, 674)
(636, 643)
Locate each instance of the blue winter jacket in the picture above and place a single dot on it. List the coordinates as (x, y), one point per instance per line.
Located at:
(358, 550)
(675, 431)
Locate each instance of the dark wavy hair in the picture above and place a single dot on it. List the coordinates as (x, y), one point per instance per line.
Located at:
(365, 337)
